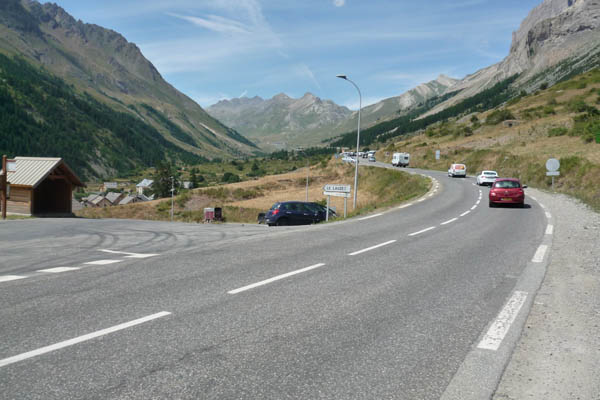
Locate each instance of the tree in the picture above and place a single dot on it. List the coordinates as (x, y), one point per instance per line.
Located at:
(165, 171)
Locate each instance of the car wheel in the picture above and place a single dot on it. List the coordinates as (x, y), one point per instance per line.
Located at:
(492, 205)
(282, 222)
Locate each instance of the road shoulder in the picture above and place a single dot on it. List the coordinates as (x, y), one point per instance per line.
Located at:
(558, 353)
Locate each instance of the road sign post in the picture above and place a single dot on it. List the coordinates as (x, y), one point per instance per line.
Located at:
(552, 167)
(336, 191)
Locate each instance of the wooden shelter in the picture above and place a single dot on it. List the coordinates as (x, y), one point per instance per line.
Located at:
(40, 186)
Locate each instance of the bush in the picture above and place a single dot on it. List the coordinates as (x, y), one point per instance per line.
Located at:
(558, 131)
(498, 116)
(544, 86)
(229, 177)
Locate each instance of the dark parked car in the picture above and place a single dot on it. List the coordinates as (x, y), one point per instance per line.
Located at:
(296, 213)
(507, 191)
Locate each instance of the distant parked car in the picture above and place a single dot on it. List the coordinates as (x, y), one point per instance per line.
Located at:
(486, 178)
(349, 159)
(296, 213)
(372, 159)
(507, 191)
(458, 170)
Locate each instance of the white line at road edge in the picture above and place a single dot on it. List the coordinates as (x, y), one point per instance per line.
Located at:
(266, 281)
(103, 262)
(548, 215)
(465, 213)
(370, 216)
(371, 248)
(71, 342)
(494, 336)
(539, 254)
(423, 231)
(406, 205)
(450, 221)
(549, 229)
(474, 207)
(7, 278)
(129, 255)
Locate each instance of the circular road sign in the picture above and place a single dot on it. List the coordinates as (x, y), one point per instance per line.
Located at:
(552, 164)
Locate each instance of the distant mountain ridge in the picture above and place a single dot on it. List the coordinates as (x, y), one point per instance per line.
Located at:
(104, 64)
(284, 122)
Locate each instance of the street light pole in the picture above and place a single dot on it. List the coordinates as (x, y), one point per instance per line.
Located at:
(172, 191)
(357, 139)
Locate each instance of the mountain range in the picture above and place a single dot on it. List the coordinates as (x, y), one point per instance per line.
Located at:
(558, 39)
(284, 122)
(100, 65)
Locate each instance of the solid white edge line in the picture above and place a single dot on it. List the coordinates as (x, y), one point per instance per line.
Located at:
(465, 213)
(541, 205)
(498, 330)
(548, 215)
(276, 278)
(58, 270)
(539, 254)
(549, 229)
(533, 198)
(370, 216)
(422, 231)
(372, 248)
(8, 278)
(406, 205)
(71, 342)
(449, 221)
(474, 207)
(129, 255)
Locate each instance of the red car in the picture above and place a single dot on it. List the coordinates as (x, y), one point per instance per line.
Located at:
(507, 191)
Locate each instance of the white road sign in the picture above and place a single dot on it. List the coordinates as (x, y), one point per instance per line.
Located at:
(336, 194)
(552, 164)
(337, 188)
(553, 173)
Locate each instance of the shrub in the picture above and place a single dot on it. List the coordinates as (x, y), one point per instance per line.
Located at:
(558, 131)
(498, 116)
(544, 86)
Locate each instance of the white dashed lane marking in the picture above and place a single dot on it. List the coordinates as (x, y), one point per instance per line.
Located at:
(103, 262)
(276, 278)
(539, 254)
(7, 278)
(370, 216)
(129, 255)
(548, 215)
(372, 248)
(422, 231)
(549, 229)
(71, 342)
(465, 213)
(58, 270)
(449, 221)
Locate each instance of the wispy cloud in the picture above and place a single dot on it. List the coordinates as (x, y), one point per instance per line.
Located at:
(339, 3)
(303, 71)
(244, 93)
(215, 23)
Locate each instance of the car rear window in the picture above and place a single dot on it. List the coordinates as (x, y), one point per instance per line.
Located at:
(507, 184)
(459, 166)
(490, 173)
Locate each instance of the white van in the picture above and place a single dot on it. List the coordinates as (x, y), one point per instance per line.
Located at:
(458, 170)
(400, 159)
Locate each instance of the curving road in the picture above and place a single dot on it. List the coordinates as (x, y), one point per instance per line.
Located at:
(388, 306)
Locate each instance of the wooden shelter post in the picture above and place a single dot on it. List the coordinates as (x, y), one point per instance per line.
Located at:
(3, 180)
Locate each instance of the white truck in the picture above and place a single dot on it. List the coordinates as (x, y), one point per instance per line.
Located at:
(400, 159)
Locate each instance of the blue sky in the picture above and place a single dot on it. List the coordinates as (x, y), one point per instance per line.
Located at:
(222, 49)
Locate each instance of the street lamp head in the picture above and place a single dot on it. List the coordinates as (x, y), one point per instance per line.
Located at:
(342, 76)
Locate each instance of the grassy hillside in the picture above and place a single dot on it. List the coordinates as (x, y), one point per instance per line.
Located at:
(243, 201)
(41, 115)
(516, 139)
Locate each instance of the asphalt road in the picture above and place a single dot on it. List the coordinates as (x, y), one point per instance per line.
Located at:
(383, 307)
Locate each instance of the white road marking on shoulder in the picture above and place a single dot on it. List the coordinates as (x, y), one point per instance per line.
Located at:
(539, 254)
(449, 221)
(406, 205)
(276, 278)
(533, 198)
(370, 216)
(58, 270)
(498, 330)
(548, 215)
(103, 262)
(541, 205)
(465, 213)
(420, 200)
(422, 231)
(130, 255)
(474, 207)
(8, 278)
(549, 229)
(71, 342)
(372, 248)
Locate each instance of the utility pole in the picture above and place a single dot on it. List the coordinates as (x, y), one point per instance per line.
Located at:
(3, 185)
(172, 191)
(307, 172)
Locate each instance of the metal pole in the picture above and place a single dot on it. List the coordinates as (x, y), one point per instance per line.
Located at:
(172, 191)
(3, 179)
(307, 172)
(357, 139)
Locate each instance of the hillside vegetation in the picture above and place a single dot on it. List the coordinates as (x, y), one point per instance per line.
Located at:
(241, 202)
(517, 138)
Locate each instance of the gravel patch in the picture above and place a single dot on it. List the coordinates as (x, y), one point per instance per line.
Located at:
(558, 354)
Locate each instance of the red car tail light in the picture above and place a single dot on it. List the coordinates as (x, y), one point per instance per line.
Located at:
(275, 212)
